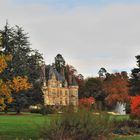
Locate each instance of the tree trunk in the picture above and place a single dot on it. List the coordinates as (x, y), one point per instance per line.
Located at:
(6, 110)
(18, 110)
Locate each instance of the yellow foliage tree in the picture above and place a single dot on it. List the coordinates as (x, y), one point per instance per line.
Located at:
(7, 87)
(3, 61)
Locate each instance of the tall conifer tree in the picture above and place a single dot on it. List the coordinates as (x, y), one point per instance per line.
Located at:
(135, 79)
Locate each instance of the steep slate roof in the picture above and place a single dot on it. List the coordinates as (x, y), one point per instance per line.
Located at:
(74, 82)
(60, 77)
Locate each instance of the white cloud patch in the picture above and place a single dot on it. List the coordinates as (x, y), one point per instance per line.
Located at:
(87, 37)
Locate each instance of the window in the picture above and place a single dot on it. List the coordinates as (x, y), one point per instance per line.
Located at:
(66, 102)
(66, 93)
(60, 102)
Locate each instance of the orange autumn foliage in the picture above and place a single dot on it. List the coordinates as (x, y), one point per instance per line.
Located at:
(20, 83)
(116, 88)
(3, 61)
(86, 102)
(5, 90)
(7, 87)
(9, 100)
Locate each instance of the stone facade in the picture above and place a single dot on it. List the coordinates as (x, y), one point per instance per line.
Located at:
(58, 92)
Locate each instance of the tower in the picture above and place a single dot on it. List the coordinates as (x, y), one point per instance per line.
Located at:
(73, 95)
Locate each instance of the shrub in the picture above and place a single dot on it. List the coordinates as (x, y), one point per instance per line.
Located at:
(127, 127)
(86, 102)
(44, 110)
(81, 125)
(35, 110)
(135, 107)
(128, 107)
(49, 110)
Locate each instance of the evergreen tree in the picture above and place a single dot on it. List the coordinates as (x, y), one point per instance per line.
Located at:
(60, 63)
(102, 72)
(135, 79)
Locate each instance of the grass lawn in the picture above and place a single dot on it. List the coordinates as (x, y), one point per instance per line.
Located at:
(128, 138)
(120, 117)
(28, 126)
(25, 127)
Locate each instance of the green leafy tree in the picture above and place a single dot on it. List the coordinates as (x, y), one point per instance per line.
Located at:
(93, 87)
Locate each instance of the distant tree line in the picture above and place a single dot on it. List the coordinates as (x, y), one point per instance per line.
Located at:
(110, 88)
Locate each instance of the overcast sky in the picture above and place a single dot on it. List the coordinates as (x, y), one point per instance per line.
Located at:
(90, 34)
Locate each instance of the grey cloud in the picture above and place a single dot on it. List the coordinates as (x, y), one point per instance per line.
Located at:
(88, 37)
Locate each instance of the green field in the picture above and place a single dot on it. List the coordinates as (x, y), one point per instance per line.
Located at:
(128, 138)
(29, 125)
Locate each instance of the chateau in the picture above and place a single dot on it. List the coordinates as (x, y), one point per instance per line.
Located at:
(57, 91)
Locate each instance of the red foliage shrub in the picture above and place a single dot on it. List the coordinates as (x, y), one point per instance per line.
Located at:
(86, 102)
(135, 107)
